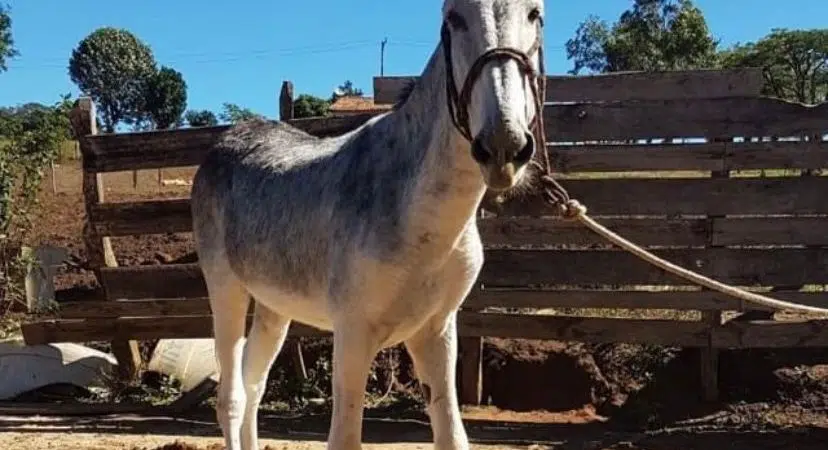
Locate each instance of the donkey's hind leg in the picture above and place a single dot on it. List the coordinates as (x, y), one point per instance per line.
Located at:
(229, 302)
(264, 342)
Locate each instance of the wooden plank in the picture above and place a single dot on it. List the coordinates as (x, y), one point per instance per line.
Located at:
(163, 149)
(665, 85)
(771, 334)
(150, 149)
(186, 146)
(198, 306)
(145, 217)
(513, 268)
(163, 281)
(776, 155)
(173, 216)
(139, 328)
(55, 409)
(629, 299)
(771, 230)
(526, 231)
(516, 326)
(682, 197)
(580, 329)
(623, 85)
(682, 118)
(477, 301)
(744, 267)
(810, 333)
(716, 156)
(620, 157)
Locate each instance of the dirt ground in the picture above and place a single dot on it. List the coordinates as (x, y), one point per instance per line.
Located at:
(540, 395)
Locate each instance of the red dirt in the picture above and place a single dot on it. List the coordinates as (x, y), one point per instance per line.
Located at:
(570, 387)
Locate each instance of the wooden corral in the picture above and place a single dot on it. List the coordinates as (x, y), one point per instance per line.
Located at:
(744, 205)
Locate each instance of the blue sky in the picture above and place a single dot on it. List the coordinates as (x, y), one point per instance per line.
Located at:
(242, 54)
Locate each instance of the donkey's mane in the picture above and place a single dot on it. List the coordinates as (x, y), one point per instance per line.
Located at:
(405, 93)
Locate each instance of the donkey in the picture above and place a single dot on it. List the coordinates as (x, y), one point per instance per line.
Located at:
(371, 235)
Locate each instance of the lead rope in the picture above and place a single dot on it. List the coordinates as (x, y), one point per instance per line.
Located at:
(554, 194)
(571, 209)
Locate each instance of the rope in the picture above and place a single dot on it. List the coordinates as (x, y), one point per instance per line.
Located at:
(573, 210)
(554, 194)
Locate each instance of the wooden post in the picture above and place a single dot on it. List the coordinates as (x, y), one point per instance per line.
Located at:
(99, 248)
(54, 176)
(286, 101)
(470, 356)
(709, 356)
(471, 370)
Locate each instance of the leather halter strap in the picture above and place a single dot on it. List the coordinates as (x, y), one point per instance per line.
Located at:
(458, 103)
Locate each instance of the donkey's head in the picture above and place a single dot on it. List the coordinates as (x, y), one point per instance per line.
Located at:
(494, 65)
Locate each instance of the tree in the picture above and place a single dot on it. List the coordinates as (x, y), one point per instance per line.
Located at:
(166, 98)
(233, 113)
(113, 67)
(652, 35)
(794, 63)
(7, 50)
(203, 118)
(29, 116)
(30, 139)
(310, 106)
(346, 89)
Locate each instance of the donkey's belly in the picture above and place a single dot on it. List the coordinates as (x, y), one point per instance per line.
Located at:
(308, 309)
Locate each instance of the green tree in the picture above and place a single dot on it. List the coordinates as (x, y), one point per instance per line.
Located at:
(651, 35)
(794, 63)
(166, 98)
(307, 105)
(202, 118)
(346, 89)
(29, 116)
(29, 140)
(113, 67)
(233, 113)
(7, 50)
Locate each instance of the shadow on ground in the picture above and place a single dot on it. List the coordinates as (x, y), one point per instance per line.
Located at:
(593, 436)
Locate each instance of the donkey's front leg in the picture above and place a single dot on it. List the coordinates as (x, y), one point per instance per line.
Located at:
(354, 348)
(434, 352)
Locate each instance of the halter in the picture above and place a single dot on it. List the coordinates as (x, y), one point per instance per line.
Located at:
(458, 104)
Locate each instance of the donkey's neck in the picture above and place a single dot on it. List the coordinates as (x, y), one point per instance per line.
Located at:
(445, 194)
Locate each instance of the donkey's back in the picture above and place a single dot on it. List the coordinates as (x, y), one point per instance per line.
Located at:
(277, 206)
(259, 209)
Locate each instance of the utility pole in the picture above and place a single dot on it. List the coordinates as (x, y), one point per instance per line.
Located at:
(382, 56)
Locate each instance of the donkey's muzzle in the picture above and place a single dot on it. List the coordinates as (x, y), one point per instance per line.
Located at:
(501, 151)
(502, 157)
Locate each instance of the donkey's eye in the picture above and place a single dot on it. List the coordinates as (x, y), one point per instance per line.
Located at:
(535, 15)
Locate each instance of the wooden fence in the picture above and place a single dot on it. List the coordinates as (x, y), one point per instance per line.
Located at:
(694, 202)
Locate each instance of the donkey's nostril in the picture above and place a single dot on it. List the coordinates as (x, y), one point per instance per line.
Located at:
(480, 153)
(525, 154)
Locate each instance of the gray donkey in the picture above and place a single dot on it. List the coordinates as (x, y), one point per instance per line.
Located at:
(371, 235)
